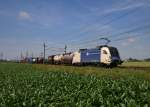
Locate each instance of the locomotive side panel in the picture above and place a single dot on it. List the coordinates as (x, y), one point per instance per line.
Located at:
(90, 56)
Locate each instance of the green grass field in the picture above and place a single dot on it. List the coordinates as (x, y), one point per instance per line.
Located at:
(69, 86)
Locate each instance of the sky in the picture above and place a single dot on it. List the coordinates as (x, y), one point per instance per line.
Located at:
(26, 24)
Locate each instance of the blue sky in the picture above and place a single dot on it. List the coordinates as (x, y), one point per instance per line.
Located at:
(26, 24)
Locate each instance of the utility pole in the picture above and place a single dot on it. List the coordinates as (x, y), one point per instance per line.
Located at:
(44, 53)
(65, 49)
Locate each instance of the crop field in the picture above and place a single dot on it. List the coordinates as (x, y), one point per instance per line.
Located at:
(69, 86)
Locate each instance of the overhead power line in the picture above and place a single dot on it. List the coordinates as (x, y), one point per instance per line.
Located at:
(139, 28)
(100, 36)
(116, 19)
(90, 24)
(128, 37)
(129, 31)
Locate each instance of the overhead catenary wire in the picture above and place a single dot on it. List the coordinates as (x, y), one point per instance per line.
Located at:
(132, 30)
(104, 17)
(116, 19)
(97, 39)
(55, 48)
(115, 40)
(111, 21)
(128, 37)
(119, 34)
(101, 36)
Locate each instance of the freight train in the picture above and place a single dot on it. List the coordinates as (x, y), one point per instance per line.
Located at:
(101, 55)
(107, 56)
(32, 60)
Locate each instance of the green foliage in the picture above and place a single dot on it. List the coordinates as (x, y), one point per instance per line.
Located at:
(27, 85)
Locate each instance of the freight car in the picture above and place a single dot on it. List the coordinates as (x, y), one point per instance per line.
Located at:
(32, 60)
(28, 60)
(58, 59)
(61, 59)
(51, 59)
(67, 58)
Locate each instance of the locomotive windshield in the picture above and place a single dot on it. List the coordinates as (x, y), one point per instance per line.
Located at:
(114, 51)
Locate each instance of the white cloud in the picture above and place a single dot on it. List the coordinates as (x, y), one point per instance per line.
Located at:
(120, 6)
(23, 15)
(131, 40)
(126, 7)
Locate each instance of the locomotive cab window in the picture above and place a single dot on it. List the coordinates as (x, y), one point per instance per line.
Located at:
(114, 52)
(104, 52)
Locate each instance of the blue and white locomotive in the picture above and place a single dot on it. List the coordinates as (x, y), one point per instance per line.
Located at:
(102, 55)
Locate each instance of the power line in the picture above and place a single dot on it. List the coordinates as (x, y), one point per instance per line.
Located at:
(128, 37)
(100, 36)
(89, 24)
(55, 48)
(92, 42)
(121, 33)
(132, 30)
(116, 19)
(124, 38)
